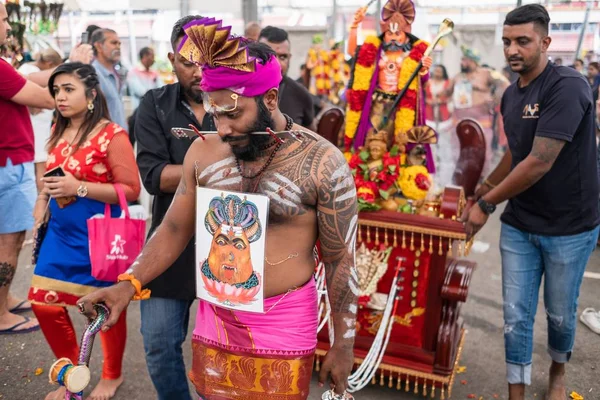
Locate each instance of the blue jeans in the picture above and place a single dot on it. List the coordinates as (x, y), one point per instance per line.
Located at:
(525, 259)
(164, 328)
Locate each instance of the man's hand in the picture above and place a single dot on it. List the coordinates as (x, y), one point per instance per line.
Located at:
(427, 62)
(359, 16)
(61, 186)
(338, 363)
(116, 298)
(82, 53)
(475, 221)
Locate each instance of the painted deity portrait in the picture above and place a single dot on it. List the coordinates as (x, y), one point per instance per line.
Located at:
(229, 273)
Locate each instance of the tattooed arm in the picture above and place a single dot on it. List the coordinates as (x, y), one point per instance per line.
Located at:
(163, 248)
(337, 214)
(539, 161)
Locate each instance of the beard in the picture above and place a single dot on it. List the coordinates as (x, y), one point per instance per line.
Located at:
(252, 150)
(395, 46)
(525, 64)
(193, 93)
(465, 69)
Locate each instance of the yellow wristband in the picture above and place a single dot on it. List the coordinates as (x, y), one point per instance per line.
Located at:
(139, 293)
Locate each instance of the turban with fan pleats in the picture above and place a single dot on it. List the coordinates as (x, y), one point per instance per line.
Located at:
(397, 14)
(225, 61)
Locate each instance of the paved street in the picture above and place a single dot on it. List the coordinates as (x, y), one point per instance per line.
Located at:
(483, 354)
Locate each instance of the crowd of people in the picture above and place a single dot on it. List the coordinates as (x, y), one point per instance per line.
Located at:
(90, 139)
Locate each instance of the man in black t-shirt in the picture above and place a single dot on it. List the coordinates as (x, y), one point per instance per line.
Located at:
(549, 176)
(294, 99)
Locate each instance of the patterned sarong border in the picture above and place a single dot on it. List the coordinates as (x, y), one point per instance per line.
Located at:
(234, 373)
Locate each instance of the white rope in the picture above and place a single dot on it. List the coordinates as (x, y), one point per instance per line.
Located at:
(365, 372)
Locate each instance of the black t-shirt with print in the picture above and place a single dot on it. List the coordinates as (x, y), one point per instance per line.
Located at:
(557, 104)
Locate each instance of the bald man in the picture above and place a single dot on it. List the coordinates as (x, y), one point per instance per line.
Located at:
(252, 31)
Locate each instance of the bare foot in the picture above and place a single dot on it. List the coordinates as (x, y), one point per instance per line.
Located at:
(516, 392)
(58, 394)
(557, 389)
(105, 389)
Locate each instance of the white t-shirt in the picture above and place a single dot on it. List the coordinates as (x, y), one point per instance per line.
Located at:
(41, 122)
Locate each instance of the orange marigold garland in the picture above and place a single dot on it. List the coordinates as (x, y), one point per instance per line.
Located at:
(363, 74)
(356, 95)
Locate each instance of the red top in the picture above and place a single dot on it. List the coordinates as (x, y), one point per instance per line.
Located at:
(105, 157)
(443, 106)
(16, 131)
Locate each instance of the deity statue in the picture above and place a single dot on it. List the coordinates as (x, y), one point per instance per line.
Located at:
(376, 145)
(383, 67)
(318, 63)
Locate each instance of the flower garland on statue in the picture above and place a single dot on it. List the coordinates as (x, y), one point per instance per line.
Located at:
(374, 183)
(363, 74)
(414, 182)
(321, 71)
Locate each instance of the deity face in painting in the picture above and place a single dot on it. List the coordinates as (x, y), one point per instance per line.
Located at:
(229, 259)
(234, 225)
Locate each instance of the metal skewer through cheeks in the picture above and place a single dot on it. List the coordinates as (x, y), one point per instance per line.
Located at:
(297, 135)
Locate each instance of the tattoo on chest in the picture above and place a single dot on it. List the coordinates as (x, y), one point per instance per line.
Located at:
(289, 181)
(7, 273)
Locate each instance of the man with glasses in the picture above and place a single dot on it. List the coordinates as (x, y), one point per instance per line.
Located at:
(294, 99)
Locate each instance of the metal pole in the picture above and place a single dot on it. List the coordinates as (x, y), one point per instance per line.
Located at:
(249, 11)
(378, 17)
(334, 19)
(583, 29)
(519, 3)
(132, 37)
(184, 8)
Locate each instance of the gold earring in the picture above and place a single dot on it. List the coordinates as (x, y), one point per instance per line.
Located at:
(91, 107)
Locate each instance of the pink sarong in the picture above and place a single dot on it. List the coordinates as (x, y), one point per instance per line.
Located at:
(242, 355)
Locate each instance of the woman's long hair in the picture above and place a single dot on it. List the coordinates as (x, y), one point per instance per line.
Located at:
(87, 75)
(444, 71)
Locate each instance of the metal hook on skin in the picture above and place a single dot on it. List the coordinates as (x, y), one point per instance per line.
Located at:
(197, 131)
(274, 136)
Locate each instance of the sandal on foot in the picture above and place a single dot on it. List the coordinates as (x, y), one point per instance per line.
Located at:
(13, 329)
(20, 308)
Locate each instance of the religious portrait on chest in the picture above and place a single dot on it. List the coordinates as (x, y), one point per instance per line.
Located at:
(230, 248)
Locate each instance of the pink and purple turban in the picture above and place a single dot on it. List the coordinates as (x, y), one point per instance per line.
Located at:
(225, 63)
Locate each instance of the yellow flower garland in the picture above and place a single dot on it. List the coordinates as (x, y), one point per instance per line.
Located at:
(407, 183)
(362, 81)
(405, 117)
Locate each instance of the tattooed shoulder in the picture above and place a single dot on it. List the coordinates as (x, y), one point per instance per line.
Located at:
(338, 220)
(546, 149)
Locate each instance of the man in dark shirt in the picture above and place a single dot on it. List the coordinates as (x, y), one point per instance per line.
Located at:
(294, 99)
(549, 176)
(160, 157)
